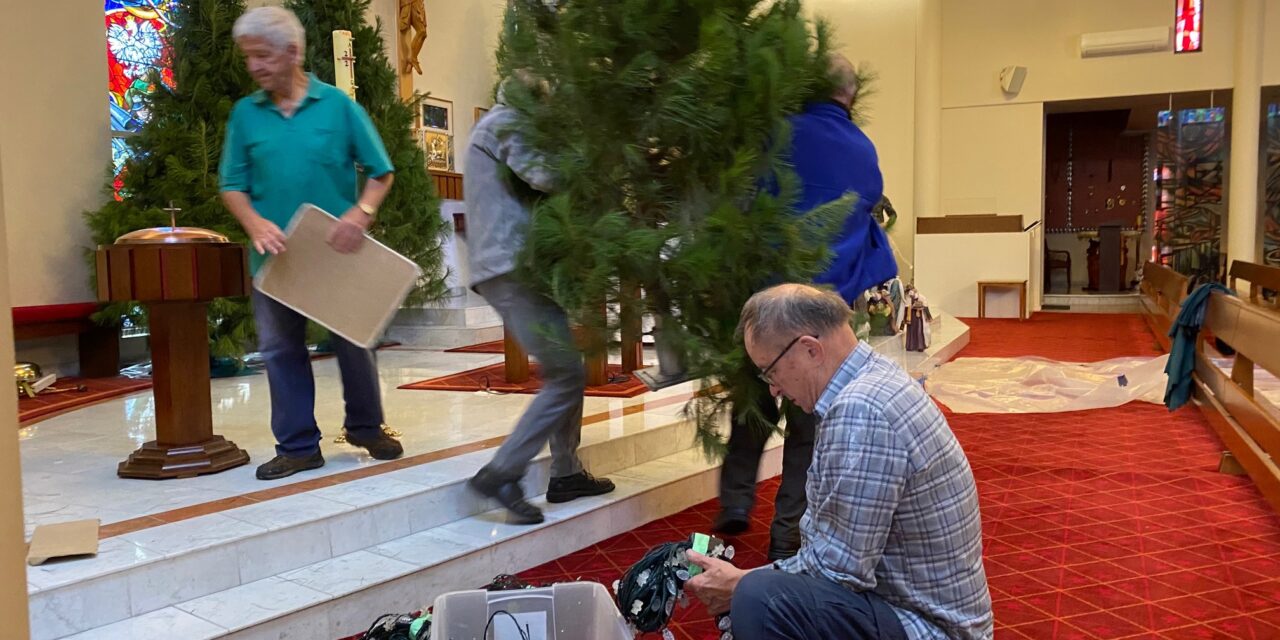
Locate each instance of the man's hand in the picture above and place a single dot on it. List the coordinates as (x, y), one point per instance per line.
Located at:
(266, 237)
(348, 234)
(715, 585)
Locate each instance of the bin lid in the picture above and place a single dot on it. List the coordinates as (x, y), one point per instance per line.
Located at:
(172, 234)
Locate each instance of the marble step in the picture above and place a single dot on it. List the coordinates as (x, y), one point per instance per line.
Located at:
(342, 595)
(146, 571)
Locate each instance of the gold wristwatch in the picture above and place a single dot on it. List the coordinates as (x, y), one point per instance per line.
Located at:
(369, 210)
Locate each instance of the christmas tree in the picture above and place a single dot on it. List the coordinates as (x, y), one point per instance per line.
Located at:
(672, 179)
(175, 155)
(409, 220)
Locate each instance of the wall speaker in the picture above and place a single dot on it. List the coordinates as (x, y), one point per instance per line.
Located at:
(1011, 79)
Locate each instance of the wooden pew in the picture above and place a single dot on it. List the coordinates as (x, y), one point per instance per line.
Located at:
(1250, 431)
(1163, 290)
(1259, 277)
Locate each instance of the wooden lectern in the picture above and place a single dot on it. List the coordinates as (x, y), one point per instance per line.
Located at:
(176, 272)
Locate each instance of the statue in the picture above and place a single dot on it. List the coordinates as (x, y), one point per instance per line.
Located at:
(413, 20)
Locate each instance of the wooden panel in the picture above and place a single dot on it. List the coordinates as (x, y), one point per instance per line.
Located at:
(235, 269)
(448, 184)
(49, 329)
(1260, 467)
(148, 277)
(970, 224)
(209, 277)
(515, 360)
(120, 272)
(1249, 329)
(1259, 277)
(103, 275)
(179, 274)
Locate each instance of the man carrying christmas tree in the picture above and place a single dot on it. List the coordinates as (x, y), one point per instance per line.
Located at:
(503, 179)
(296, 141)
(832, 157)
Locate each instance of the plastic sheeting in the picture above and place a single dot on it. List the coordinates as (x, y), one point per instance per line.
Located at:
(1038, 385)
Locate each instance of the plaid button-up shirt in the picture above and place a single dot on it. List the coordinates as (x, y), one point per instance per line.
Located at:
(893, 507)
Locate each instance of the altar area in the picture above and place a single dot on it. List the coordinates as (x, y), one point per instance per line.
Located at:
(323, 552)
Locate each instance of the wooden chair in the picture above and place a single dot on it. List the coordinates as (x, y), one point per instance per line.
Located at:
(1055, 260)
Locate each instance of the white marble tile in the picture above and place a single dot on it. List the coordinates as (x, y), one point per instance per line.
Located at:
(62, 612)
(428, 548)
(491, 527)
(354, 613)
(114, 554)
(367, 527)
(182, 578)
(196, 533)
(286, 512)
(345, 574)
(283, 550)
(311, 624)
(253, 603)
(368, 491)
(164, 623)
(443, 505)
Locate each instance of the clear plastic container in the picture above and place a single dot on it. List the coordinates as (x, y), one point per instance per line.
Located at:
(567, 611)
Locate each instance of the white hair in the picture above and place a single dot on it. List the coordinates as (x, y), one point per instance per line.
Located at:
(276, 25)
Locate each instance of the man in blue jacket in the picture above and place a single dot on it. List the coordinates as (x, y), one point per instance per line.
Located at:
(831, 157)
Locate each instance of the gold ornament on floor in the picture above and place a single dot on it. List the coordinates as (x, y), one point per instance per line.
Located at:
(26, 374)
(342, 439)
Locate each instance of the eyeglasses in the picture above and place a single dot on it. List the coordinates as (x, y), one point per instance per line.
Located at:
(764, 374)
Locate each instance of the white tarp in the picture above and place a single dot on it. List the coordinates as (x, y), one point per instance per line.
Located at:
(1038, 385)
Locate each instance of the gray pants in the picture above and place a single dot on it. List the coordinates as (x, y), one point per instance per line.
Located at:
(542, 329)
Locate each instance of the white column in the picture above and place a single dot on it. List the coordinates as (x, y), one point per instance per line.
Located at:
(13, 548)
(1246, 118)
(928, 138)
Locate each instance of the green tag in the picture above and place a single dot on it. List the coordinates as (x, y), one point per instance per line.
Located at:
(415, 629)
(701, 542)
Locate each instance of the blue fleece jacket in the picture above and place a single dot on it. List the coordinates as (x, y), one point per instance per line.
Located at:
(832, 157)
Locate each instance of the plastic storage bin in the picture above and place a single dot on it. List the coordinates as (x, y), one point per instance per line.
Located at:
(567, 611)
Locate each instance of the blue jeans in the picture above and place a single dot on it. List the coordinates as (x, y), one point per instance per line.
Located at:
(776, 605)
(282, 340)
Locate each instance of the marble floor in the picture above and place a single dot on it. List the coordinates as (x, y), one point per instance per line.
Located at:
(69, 461)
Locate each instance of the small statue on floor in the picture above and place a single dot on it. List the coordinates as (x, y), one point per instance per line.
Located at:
(915, 323)
(880, 307)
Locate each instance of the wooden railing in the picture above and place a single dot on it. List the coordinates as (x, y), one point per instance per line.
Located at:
(448, 184)
(1250, 429)
(1163, 290)
(1259, 277)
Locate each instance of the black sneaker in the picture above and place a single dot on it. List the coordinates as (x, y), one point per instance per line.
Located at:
(509, 494)
(379, 445)
(578, 485)
(284, 466)
(731, 522)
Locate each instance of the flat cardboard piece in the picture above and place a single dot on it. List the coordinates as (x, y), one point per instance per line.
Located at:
(354, 295)
(76, 538)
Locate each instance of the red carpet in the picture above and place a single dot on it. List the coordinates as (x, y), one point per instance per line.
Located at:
(1070, 337)
(483, 347)
(31, 410)
(1098, 524)
(490, 378)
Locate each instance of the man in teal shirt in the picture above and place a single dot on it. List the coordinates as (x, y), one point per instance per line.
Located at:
(296, 141)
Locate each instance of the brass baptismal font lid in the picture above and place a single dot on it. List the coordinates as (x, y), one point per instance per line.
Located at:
(172, 234)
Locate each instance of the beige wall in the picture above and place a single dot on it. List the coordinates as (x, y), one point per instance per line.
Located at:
(980, 37)
(13, 548)
(55, 141)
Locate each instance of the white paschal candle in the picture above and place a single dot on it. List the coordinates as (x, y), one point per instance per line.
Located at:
(344, 63)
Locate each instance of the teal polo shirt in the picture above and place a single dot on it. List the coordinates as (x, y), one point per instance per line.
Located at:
(282, 162)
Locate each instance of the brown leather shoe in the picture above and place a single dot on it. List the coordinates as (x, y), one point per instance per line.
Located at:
(379, 445)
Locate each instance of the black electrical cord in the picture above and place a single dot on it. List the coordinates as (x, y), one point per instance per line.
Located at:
(524, 635)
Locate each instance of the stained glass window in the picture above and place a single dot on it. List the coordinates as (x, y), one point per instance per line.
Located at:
(1189, 181)
(136, 45)
(1189, 23)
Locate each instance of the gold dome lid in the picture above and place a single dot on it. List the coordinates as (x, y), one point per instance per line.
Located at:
(27, 372)
(172, 234)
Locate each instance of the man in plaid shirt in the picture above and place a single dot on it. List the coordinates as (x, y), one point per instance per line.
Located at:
(892, 538)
